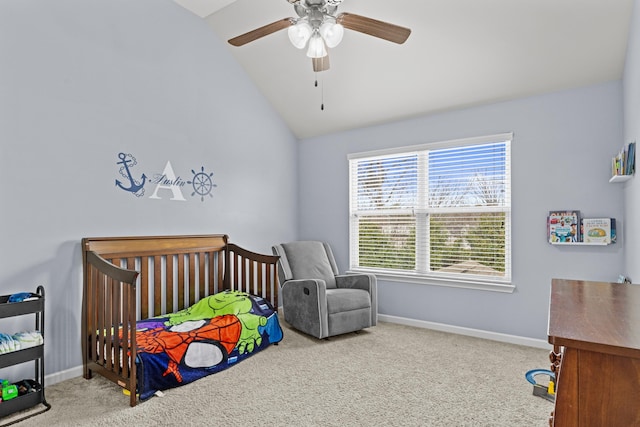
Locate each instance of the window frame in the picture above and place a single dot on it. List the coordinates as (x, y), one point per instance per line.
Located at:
(421, 274)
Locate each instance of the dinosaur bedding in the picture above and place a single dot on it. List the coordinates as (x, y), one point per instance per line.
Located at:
(213, 334)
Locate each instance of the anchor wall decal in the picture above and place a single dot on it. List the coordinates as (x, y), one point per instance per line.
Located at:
(134, 186)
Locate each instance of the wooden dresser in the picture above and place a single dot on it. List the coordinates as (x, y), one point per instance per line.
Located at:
(595, 330)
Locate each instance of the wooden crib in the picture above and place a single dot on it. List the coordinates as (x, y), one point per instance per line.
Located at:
(131, 278)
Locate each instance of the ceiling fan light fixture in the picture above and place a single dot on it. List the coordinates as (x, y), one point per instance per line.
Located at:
(316, 47)
(331, 33)
(299, 34)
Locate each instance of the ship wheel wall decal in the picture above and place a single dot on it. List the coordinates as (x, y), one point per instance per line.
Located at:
(202, 183)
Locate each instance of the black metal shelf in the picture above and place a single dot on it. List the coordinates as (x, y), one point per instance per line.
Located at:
(23, 402)
(33, 354)
(12, 309)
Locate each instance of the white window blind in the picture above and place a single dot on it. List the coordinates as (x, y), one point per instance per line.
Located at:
(438, 211)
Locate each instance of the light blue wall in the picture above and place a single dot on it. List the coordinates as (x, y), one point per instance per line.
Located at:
(561, 154)
(81, 81)
(632, 133)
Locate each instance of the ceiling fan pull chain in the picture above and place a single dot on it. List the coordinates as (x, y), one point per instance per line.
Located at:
(321, 92)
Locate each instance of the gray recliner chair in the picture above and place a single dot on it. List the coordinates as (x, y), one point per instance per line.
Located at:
(316, 299)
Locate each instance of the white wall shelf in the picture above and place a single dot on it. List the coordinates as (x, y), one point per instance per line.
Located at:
(580, 244)
(620, 178)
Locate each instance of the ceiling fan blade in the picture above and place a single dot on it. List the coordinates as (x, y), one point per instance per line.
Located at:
(261, 32)
(320, 64)
(373, 27)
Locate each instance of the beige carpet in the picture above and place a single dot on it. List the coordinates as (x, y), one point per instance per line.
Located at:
(389, 375)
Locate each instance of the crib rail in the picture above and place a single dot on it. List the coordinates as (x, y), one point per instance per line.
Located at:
(252, 273)
(109, 313)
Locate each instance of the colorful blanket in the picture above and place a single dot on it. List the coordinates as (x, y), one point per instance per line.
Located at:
(215, 333)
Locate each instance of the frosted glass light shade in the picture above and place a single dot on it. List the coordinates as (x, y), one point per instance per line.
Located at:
(331, 33)
(299, 34)
(316, 47)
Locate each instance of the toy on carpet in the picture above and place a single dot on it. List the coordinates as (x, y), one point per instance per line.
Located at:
(545, 391)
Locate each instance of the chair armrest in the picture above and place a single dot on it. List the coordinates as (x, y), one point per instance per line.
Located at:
(304, 303)
(367, 282)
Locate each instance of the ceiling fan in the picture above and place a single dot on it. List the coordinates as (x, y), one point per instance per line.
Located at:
(319, 26)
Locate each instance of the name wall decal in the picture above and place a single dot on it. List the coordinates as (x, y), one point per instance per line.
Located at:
(201, 182)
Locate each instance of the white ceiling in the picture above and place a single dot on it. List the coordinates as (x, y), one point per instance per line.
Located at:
(460, 53)
(203, 8)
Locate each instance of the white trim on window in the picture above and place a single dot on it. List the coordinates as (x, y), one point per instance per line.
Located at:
(390, 209)
(451, 282)
(462, 142)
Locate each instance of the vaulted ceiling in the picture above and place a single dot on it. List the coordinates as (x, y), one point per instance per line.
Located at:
(461, 53)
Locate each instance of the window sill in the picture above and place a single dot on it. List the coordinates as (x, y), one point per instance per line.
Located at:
(492, 286)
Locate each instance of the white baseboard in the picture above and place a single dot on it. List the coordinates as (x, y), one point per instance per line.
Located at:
(52, 379)
(494, 336)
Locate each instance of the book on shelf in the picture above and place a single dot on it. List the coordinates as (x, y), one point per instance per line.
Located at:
(563, 226)
(631, 159)
(599, 230)
(624, 162)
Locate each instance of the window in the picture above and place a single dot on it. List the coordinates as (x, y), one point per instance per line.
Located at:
(437, 213)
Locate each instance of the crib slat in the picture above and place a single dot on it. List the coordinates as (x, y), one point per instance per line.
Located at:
(157, 285)
(192, 275)
(129, 329)
(124, 330)
(108, 321)
(211, 266)
(170, 283)
(201, 274)
(251, 279)
(236, 272)
(272, 283)
(220, 272)
(260, 279)
(181, 258)
(92, 310)
(100, 319)
(116, 320)
(144, 287)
